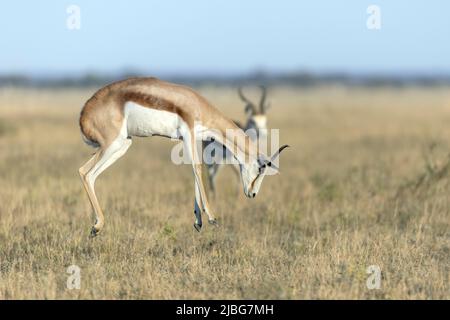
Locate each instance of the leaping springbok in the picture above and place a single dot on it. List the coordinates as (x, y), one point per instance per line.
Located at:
(256, 120)
(146, 107)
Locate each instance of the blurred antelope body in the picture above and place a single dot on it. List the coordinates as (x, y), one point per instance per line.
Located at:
(256, 121)
(150, 107)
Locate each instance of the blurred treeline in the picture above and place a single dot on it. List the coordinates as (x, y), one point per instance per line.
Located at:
(300, 78)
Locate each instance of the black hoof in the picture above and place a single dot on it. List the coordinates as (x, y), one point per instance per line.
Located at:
(94, 232)
(197, 227)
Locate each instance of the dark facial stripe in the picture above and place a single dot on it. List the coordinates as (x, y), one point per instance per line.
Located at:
(253, 182)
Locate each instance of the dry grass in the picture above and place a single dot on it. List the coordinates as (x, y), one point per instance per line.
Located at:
(361, 185)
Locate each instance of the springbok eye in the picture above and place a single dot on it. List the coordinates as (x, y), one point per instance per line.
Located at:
(269, 164)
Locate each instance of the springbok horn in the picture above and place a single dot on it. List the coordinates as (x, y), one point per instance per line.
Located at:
(262, 101)
(250, 105)
(276, 154)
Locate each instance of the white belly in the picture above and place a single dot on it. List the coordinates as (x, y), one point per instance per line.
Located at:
(144, 122)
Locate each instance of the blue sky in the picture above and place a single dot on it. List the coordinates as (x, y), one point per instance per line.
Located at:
(232, 36)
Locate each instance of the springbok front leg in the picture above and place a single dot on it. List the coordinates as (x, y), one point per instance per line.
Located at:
(90, 171)
(197, 209)
(201, 199)
(201, 188)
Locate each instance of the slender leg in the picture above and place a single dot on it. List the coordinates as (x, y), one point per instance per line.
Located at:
(204, 199)
(197, 209)
(212, 172)
(93, 168)
(84, 170)
(190, 147)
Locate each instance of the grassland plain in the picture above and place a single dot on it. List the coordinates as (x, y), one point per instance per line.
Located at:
(364, 183)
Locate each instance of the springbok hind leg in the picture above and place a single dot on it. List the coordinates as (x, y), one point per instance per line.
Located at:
(93, 168)
(83, 171)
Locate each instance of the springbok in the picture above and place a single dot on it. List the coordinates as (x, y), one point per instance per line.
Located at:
(146, 107)
(256, 120)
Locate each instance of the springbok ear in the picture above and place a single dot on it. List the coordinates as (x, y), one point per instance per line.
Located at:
(268, 166)
(271, 169)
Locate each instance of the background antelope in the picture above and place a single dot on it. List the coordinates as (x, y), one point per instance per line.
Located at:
(256, 120)
(146, 107)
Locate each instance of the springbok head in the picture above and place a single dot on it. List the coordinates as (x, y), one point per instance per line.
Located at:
(253, 173)
(256, 113)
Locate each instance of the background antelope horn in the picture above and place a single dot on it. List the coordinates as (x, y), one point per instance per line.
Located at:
(250, 104)
(262, 101)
